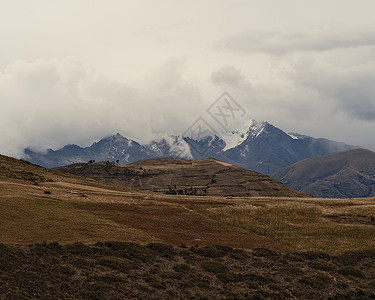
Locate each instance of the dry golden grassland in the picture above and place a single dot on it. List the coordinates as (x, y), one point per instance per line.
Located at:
(65, 211)
(40, 205)
(328, 225)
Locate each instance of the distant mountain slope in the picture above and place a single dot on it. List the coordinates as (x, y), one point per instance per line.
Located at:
(186, 177)
(261, 147)
(109, 148)
(342, 175)
(268, 149)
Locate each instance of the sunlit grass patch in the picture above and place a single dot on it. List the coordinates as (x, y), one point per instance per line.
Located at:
(298, 225)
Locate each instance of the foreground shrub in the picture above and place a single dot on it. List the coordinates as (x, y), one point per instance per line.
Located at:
(215, 267)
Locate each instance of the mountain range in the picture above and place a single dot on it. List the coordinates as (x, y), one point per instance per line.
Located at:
(348, 174)
(259, 146)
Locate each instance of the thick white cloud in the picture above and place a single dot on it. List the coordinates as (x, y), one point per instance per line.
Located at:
(49, 103)
(145, 68)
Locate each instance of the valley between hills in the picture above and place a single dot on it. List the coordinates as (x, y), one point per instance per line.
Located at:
(112, 241)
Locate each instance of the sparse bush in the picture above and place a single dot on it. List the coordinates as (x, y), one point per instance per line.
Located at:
(155, 282)
(316, 280)
(353, 295)
(239, 254)
(260, 279)
(162, 249)
(350, 271)
(320, 265)
(215, 267)
(292, 270)
(115, 264)
(213, 251)
(263, 252)
(181, 268)
(371, 285)
(228, 277)
(315, 255)
(129, 250)
(342, 285)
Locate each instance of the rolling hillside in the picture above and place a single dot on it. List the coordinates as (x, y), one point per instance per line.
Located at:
(76, 238)
(348, 174)
(204, 177)
(40, 205)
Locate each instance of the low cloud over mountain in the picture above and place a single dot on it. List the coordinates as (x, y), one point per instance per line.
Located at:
(75, 77)
(260, 147)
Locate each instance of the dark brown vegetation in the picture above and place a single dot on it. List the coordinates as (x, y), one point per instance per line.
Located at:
(203, 177)
(115, 270)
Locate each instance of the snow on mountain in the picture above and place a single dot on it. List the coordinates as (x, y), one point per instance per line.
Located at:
(297, 136)
(235, 138)
(294, 137)
(257, 128)
(258, 146)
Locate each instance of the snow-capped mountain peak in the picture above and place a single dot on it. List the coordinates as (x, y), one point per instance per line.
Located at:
(257, 128)
(236, 137)
(255, 145)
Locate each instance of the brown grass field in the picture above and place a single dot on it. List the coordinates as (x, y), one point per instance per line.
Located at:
(56, 207)
(65, 237)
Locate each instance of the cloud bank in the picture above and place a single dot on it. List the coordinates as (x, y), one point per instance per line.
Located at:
(146, 69)
(50, 103)
(276, 42)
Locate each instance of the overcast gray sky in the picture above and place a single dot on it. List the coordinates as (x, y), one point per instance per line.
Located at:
(73, 71)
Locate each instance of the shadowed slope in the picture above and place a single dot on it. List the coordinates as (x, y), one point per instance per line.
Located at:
(346, 174)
